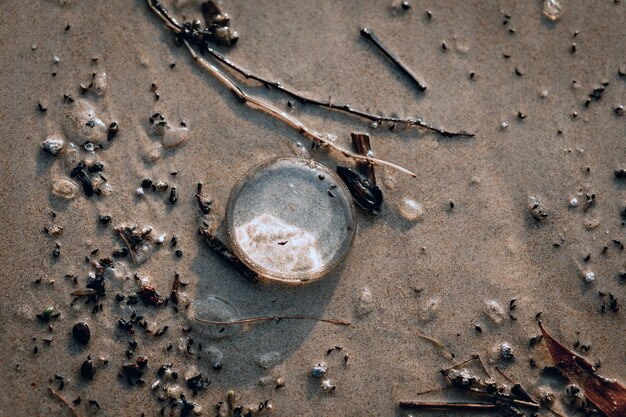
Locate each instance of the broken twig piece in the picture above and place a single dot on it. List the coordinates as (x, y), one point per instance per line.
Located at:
(371, 36)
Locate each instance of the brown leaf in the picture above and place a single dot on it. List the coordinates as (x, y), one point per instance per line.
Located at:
(608, 395)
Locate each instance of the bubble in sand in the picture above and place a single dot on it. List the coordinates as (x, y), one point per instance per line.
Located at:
(82, 125)
(430, 308)
(268, 360)
(411, 210)
(366, 303)
(53, 145)
(494, 311)
(175, 136)
(100, 83)
(214, 308)
(64, 188)
(552, 10)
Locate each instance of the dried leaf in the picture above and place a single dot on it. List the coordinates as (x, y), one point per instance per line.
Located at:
(608, 395)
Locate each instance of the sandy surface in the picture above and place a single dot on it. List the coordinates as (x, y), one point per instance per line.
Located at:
(487, 247)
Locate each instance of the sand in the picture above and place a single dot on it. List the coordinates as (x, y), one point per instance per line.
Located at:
(438, 276)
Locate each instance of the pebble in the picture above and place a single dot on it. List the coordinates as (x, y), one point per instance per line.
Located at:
(590, 277)
(154, 153)
(494, 311)
(537, 209)
(319, 370)
(573, 202)
(100, 83)
(81, 332)
(366, 303)
(53, 145)
(506, 351)
(328, 386)
(175, 136)
(504, 125)
(64, 188)
(82, 125)
(552, 10)
(411, 210)
(268, 360)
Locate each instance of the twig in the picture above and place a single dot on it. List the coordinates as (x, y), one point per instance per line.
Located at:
(447, 406)
(291, 121)
(438, 344)
(64, 401)
(275, 318)
(215, 244)
(515, 401)
(371, 36)
(173, 25)
(122, 236)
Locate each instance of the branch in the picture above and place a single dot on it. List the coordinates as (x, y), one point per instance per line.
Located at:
(289, 120)
(275, 318)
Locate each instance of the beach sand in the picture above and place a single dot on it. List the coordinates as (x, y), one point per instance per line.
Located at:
(439, 275)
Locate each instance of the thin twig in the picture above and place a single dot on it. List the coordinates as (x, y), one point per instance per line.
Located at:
(64, 401)
(122, 236)
(275, 318)
(447, 406)
(289, 120)
(515, 401)
(438, 344)
(371, 36)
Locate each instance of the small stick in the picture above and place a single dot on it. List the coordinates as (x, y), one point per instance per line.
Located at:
(361, 145)
(275, 318)
(447, 406)
(131, 251)
(64, 401)
(225, 253)
(371, 36)
(515, 401)
(438, 344)
(289, 120)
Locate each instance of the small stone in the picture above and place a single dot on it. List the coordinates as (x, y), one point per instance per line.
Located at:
(53, 145)
(55, 60)
(300, 150)
(175, 136)
(328, 386)
(100, 83)
(552, 10)
(504, 125)
(319, 370)
(590, 277)
(64, 188)
(81, 332)
(366, 303)
(86, 369)
(154, 153)
(411, 210)
(537, 209)
(139, 191)
(506, 351)
(573, 202)
(494, 311)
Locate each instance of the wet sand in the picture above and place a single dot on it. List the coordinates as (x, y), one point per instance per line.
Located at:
(435, 276)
